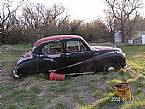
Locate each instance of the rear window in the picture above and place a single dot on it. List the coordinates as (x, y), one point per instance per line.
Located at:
(75, 46)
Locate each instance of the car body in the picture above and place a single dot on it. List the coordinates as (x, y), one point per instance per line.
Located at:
(68, 54)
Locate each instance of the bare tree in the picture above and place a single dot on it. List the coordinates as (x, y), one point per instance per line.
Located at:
(39, 15)
(42, 21)
(6, 11)
(75, 25)
(122, 12)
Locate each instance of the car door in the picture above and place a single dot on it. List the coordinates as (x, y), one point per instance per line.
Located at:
(77, 51)
(50, 58)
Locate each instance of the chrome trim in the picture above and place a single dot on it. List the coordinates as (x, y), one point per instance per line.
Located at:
(15, 75)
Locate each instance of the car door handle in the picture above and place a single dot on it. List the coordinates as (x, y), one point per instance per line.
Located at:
(65, 55)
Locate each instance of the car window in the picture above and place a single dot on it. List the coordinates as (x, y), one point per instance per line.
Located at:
(52, 48)
(75, 46)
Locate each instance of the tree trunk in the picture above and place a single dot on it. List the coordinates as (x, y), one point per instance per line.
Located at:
(2, 34)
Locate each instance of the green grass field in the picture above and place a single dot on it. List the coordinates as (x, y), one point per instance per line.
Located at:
(82, 92)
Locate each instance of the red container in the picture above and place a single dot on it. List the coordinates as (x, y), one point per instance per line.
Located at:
(56, 76)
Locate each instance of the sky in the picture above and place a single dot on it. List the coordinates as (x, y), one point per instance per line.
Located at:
(86, 10)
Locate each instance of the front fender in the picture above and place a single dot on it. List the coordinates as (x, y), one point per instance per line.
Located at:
(113, 57)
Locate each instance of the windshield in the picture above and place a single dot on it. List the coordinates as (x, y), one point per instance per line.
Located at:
(86, 43)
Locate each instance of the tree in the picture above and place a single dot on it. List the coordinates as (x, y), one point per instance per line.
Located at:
(122, 11)
(95, 31)
(139, 24)
(41, 20)
(75, 25)
(7, 10)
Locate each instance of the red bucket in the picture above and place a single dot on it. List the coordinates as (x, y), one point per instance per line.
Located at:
(56, 76)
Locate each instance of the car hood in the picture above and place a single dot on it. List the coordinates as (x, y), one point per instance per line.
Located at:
(105, 49)
(101, 48)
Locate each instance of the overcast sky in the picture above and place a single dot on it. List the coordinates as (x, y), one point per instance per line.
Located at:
(86, 10)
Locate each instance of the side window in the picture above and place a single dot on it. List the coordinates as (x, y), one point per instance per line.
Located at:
(52, 48)
(75, 46)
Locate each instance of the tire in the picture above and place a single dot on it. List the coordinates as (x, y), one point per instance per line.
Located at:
(110, 67)
(15, 75)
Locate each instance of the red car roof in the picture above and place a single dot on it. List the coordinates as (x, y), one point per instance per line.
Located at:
(58, 37)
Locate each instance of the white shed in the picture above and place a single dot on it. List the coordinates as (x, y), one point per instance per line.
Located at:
(143, 39)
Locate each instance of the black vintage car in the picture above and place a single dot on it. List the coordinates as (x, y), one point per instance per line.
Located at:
(68, 54)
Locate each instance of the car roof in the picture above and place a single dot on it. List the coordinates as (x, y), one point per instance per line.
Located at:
(56, 37)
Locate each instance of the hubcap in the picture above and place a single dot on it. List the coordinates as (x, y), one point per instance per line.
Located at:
(110, 69)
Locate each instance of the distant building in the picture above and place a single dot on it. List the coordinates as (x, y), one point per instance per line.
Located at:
(138, 38)
(117, 37)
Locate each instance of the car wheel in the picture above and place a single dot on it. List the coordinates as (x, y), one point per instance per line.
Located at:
(15, 75)
(110, 67)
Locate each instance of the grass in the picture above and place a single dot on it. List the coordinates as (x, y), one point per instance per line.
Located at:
(82, 92)
(11, 53)
(98, 103)
(136, 57)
